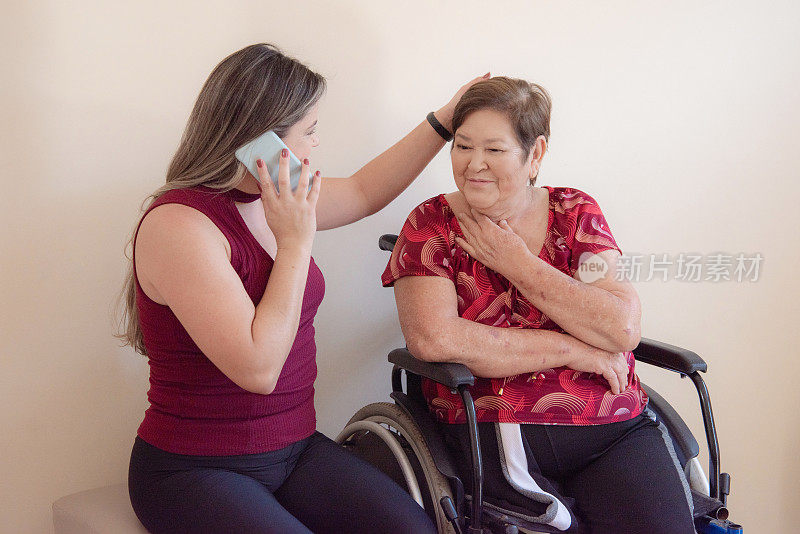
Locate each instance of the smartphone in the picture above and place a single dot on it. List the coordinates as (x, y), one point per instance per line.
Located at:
(268, 147)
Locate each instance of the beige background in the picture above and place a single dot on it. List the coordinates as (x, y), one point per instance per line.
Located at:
(680, 118)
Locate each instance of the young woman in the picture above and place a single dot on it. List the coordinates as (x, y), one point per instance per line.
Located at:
(221, 297)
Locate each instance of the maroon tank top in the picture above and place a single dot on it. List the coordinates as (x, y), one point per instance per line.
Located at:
(194, 408)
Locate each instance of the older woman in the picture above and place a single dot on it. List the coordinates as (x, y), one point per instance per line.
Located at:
(516, 282)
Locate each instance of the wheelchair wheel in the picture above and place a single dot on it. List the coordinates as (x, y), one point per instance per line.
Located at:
(370, 433)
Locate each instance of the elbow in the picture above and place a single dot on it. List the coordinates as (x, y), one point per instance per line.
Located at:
(425, 346)
(267, 385)
(623, 333)
(622, 338)
(262, 383)
(630, 336)
(630, 343)
(632, 325)
(252, 370)
(264, 371)
(268, 380)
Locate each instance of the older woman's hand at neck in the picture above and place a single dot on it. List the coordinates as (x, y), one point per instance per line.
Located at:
(494, 244)
(605, 314)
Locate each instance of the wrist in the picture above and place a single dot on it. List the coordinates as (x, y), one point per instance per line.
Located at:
(297, 248)
(445, 117)
(573, 349)
(523, 269)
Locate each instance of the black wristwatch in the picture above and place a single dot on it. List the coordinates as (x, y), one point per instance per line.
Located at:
(441, 130)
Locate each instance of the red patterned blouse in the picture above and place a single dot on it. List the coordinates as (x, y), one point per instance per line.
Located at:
(576, 226)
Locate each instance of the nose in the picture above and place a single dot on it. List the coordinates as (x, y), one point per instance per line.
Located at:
(477, 162)
(315, 140)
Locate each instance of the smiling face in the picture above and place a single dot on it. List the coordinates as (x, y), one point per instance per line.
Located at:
(490, 168)
(302, 135)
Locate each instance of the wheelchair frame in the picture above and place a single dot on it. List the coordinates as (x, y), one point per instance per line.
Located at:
(458, 378)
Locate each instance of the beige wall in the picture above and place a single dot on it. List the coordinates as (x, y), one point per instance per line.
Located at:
(681, 118)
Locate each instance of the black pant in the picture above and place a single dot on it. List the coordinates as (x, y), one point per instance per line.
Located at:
(619, 478)
(312, 485)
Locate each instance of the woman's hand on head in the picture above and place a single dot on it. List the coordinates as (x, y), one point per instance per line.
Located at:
(445, 114)
(496, 246)
(291, 215)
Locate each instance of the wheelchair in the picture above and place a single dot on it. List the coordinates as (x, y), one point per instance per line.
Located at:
(403, 440)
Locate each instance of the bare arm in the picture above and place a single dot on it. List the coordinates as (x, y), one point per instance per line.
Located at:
(605, 313)
(184, 256)
(346, 200)
(428, 311)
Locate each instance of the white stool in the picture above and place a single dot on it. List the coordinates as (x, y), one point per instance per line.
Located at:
(97, 511)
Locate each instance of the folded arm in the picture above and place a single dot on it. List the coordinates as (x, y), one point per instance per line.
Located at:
(605, 313)
(428, 311)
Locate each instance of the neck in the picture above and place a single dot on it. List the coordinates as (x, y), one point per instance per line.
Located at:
(249, 184)
(512, 210)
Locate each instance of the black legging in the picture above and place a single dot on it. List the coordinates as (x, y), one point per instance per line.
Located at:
(313, 485)
(622, 478)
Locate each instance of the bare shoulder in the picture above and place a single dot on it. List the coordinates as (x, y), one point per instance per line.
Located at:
(174, 233)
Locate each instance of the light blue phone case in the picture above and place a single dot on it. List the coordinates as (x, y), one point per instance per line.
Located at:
(268, 147)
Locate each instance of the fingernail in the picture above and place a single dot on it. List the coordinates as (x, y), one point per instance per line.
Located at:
(259, 163)
(317, 173)
(284, 153)
(305, 161)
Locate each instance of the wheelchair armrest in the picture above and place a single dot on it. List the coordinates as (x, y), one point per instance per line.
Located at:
(669, 357)
(451, 375)
(387, 242)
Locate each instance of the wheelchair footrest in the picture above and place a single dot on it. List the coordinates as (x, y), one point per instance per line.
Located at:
(720, 526)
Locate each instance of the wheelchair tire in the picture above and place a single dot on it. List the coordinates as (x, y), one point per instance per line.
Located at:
(407, 433)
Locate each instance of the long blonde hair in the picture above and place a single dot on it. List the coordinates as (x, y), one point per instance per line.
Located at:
(251, 91)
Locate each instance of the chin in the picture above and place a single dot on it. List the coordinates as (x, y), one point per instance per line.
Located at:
(479, 200)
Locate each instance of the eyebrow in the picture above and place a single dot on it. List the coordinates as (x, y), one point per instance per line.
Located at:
(312, 125)
(492, 140)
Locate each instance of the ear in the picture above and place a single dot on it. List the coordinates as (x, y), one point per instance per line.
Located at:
(537, 155)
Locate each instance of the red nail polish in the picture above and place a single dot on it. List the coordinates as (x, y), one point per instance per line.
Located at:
(317, 173)
(284, 153)
(259, 163)
(305, 161)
